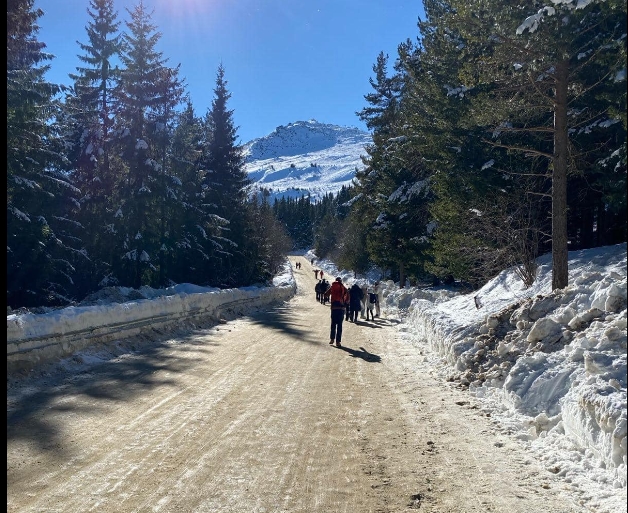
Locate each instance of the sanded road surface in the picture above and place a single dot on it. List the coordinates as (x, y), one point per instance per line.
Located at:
(261, 414)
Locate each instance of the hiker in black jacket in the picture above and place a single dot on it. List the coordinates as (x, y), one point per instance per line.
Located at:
(324, 289)
(355, 305)
(317, 289)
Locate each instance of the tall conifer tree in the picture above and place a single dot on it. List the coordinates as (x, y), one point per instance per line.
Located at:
(40, 198)
(538, 80)
(89, 115)
(193, 228)
(140, 95)
(226, 183)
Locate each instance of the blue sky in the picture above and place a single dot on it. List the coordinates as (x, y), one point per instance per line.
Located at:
(284, 60)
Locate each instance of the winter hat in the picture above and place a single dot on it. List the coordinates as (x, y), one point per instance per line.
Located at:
(338, 278)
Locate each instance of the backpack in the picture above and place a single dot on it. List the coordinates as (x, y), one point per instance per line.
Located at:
(372, 298)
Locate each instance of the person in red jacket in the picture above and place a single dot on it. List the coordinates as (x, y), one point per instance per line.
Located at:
(337, 294)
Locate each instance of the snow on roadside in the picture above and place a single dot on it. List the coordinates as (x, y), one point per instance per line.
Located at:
(550, 367)
(36, 339)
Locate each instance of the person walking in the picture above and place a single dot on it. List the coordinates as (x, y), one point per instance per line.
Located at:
(370, 304)
(347, 305)
(324, 291)
(378, 293)
(316, 274)
(365, 299)
(318, 289)
(355, 302)
(337, 293)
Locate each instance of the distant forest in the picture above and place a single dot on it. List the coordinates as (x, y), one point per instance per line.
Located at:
(498, 135)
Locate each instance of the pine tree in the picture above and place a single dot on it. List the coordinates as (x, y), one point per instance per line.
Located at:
(271, 241)
(88, 119)
(393, 186)
(193, 229)
(353, 253)
(226, 185)
(163, 117)
(379, 116)
(461, 189)
(534, 79)
(40, 198)
(140, 95)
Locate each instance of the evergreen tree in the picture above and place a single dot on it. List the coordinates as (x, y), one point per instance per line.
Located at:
(87, 120)
(188, 228)
(462, 187)
(226, 185)
(353, 253)
(40, 198)
(394, 196)
(163, 118)
(379, 116)
(270, 243)
(140, 95)
(534, 79)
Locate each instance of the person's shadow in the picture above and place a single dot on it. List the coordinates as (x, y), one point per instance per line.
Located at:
(368, 324)
(362, 353)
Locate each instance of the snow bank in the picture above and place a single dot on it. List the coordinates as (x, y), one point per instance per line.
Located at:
(35, 338)
(558, 359)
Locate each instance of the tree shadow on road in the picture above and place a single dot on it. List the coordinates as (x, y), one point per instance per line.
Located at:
(104, 375)
(363, 354)
(282, 318)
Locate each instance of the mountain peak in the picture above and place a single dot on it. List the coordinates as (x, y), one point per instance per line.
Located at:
(299, 138)
(305, 158)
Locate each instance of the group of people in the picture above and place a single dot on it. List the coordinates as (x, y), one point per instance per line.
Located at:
(347, 303)
(318, 273)
(321, 288)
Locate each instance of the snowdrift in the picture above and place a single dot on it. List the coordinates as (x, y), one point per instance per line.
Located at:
(33, 339)
(558, 359)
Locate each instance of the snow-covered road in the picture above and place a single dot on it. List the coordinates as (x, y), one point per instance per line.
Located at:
(548, 368)
(262, 414)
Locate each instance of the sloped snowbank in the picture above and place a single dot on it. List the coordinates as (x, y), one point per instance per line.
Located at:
(558, 359)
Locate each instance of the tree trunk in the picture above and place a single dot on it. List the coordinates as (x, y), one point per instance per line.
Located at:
(560, 256)
(402, 275)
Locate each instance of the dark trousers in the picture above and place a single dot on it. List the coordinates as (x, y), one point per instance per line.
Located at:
(356, 306)
(337, 316)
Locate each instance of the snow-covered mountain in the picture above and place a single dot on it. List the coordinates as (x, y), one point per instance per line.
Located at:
(305, 157)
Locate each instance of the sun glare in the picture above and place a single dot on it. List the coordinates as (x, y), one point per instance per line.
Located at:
(187, 22)
(189, 9)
